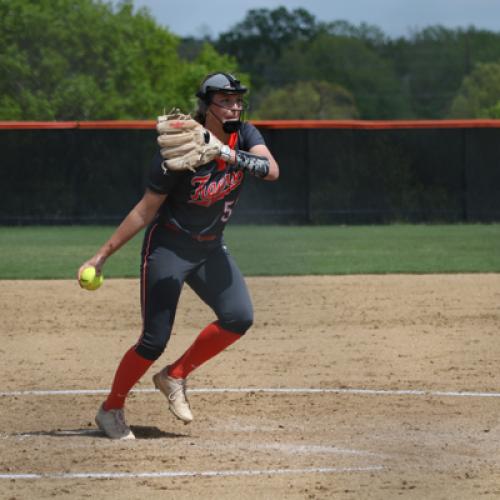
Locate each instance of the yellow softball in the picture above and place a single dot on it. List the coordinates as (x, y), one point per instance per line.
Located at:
(89, 280)
(95, 283)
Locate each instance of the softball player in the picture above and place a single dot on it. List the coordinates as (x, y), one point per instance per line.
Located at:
(185, 214)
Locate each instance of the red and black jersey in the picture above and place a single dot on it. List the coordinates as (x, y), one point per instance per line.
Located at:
(201, 202)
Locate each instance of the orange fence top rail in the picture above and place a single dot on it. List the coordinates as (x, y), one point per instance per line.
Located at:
(377, 124)
(109, 124)
(269, 124)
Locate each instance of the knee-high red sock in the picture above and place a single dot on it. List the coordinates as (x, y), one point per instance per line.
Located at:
(131, 368)
(211, 340)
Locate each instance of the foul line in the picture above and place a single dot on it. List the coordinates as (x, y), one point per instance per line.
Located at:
(277, 390)
(208, 473)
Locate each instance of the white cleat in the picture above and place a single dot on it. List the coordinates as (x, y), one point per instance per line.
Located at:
(174, 390)
(112, 423)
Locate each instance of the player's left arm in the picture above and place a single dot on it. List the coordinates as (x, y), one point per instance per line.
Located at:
(274, 169)
(258, 161)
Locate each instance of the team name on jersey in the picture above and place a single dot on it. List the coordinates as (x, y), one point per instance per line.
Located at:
(208, 192)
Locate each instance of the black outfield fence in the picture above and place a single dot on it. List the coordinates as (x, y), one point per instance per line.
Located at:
(331, 172)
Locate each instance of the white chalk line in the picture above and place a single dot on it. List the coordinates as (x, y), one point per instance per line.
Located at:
(270, 390)
(294, 449)
(173, 474)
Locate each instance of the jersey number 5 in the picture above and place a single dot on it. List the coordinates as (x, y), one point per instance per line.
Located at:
(228, 210)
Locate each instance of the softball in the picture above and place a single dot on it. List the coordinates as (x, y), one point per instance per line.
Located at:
(87, 276)
(89, 280)
(95, 283)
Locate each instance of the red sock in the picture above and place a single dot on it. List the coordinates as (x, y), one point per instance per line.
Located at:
(211, 340)
(131, 368)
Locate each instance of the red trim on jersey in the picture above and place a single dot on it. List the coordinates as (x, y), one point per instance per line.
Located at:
(233, 139)
(197, 237)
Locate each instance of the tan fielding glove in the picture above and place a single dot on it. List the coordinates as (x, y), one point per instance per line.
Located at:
(185, 144)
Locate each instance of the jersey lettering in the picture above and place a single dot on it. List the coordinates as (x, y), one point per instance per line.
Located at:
(207, 193)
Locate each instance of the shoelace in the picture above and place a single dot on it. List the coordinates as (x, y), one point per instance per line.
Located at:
(181, 388)
(120, 419)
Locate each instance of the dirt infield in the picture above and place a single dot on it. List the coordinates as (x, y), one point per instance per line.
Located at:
(348, 387)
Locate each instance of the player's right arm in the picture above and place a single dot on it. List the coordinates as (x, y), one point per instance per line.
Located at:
(137, 219)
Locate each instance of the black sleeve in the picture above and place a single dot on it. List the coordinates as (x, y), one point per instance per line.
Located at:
(250, 136)
(161, 180)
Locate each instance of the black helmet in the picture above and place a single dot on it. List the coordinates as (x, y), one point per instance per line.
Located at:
(219, 82)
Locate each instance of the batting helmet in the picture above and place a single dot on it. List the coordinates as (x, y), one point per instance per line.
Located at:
(219, 82)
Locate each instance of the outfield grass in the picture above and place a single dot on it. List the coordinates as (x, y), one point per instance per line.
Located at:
(57, 252)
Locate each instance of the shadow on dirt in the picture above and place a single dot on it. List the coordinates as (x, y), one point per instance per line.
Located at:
(140, 431)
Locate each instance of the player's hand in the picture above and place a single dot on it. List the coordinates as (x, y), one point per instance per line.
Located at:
(97, 261)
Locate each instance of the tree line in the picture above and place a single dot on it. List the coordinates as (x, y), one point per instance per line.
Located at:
(89, 59)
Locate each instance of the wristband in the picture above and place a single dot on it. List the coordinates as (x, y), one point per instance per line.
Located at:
(225, 152)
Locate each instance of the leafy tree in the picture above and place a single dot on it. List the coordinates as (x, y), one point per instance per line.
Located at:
(479, 94)
(369, 34)
(411, 77)
(85, 59)
(480, 46)
(494, 111)
(352, 64)
(261, 37)
(432, 63)
(308, 100)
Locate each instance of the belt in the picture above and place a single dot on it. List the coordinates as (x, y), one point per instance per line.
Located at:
(196, 237)
(203, 237)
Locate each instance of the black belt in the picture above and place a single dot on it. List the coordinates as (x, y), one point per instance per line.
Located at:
(196, 237)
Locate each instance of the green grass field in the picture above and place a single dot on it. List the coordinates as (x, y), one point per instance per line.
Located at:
(57, 251)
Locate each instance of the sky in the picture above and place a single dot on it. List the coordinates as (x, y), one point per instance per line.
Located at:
(395, 17)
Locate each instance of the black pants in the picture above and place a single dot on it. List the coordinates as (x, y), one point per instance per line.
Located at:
(168, 260)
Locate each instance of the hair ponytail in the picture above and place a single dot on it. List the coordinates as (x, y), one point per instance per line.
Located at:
(200, 113)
